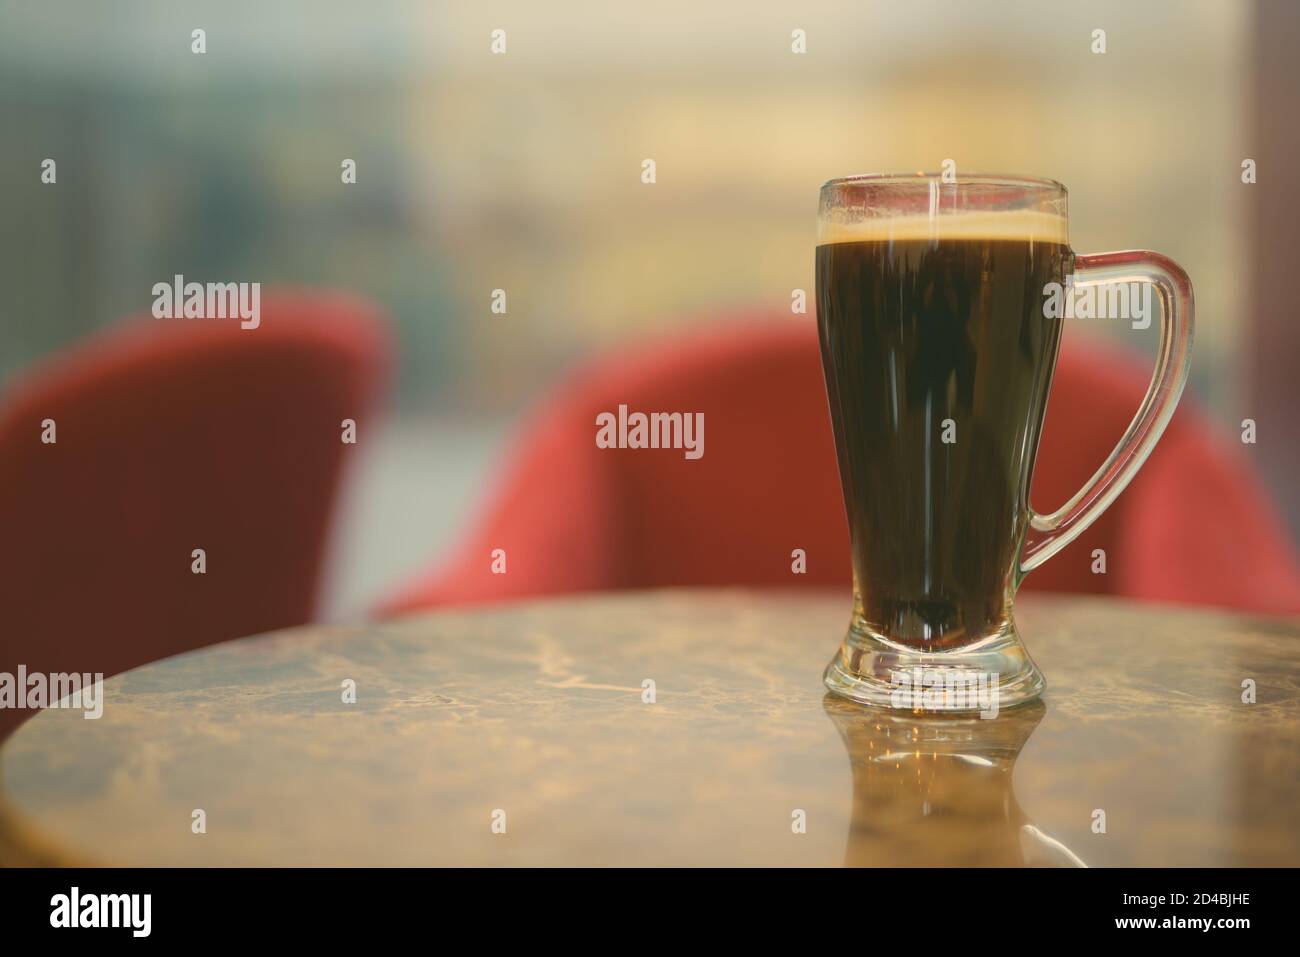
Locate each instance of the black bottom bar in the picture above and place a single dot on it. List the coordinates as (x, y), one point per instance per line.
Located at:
(926, 907)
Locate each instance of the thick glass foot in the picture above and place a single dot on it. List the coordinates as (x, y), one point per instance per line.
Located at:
(991, 674)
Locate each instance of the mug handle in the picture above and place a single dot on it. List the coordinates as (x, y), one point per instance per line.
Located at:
(1048, 534)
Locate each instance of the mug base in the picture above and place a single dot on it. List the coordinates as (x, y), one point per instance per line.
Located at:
(991, 674)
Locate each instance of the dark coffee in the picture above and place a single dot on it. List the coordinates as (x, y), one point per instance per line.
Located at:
(938, 361)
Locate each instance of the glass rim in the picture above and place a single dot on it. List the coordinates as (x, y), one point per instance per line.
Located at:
(962, 179)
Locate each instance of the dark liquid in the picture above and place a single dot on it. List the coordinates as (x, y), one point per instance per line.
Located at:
(914, 333)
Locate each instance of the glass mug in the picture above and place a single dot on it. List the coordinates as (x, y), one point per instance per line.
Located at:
(939, 338)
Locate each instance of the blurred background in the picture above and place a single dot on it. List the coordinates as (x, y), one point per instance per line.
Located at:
(522, 172)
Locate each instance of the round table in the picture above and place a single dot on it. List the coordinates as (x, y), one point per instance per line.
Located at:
(670, 728)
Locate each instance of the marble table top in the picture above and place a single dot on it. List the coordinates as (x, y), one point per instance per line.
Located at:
(670, 728)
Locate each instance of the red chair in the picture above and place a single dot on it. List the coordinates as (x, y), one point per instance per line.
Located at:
(1195, 526)
(175, 435)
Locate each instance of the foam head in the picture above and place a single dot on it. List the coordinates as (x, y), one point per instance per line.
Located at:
(1025, 225)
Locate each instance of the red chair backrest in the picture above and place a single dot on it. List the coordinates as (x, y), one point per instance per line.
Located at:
(1194, 526)
(176, 435)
